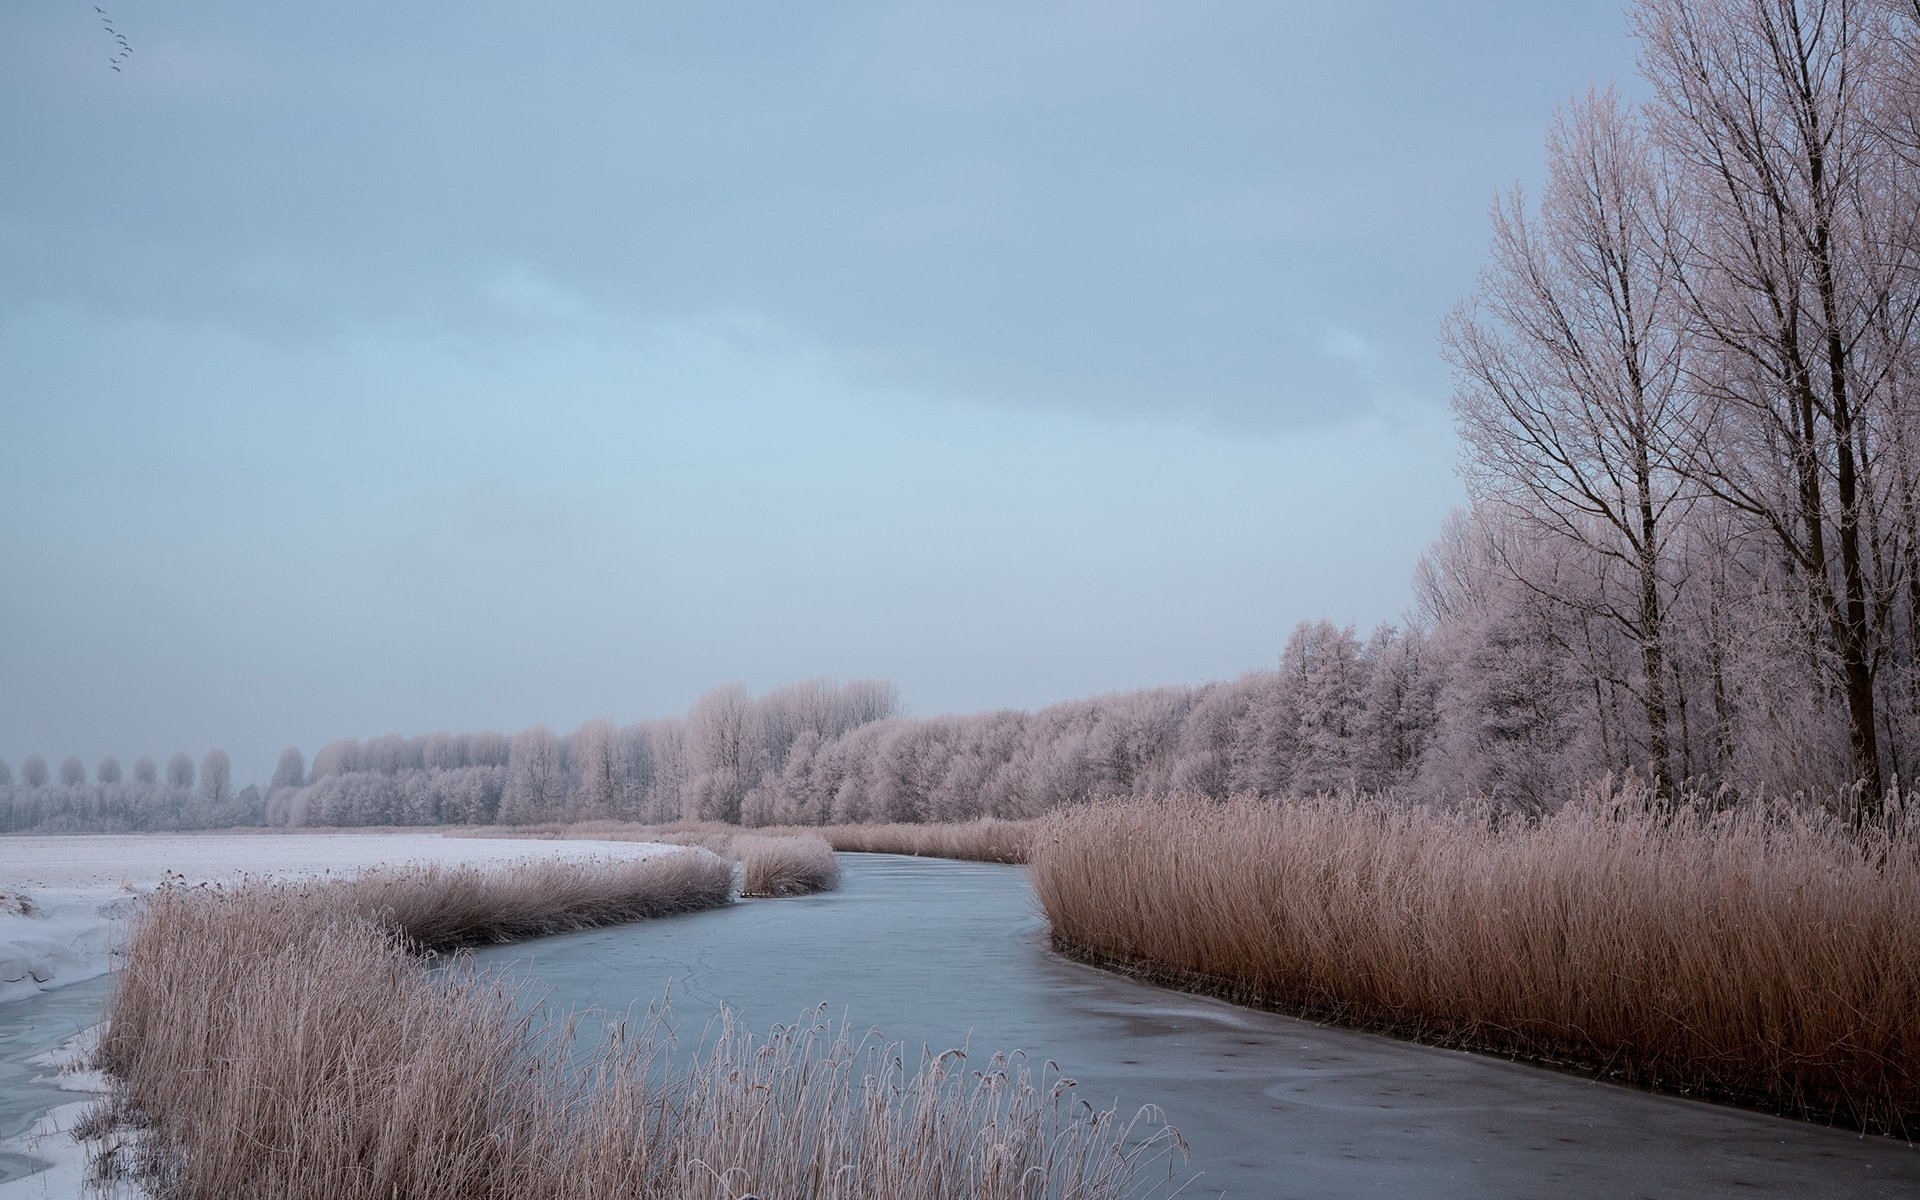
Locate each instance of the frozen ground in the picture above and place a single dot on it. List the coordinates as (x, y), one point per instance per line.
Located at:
(62, 898)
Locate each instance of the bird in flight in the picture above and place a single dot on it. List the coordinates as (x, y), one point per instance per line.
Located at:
(122, 47)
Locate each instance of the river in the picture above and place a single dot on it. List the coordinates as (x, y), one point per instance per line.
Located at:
(942, 953)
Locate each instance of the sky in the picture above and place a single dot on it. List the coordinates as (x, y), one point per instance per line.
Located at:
(386, 368)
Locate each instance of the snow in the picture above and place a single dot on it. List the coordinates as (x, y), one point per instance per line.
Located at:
(63, 899)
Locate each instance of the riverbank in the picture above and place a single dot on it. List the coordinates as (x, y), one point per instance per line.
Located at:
(65, 899)
(1762, 957)
(350, 1071)
(66, 902)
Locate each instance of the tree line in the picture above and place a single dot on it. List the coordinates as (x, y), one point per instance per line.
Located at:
(176, 796)
(1340, 712)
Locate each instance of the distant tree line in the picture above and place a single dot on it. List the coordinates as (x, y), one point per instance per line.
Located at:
(66, 800)
(1340, 712)
(1688, 386)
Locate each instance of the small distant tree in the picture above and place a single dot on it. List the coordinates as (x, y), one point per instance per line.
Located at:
(216, 778)
(6, 773)
(144, 770)
(33, 772)
(290, 771)
(73, 772)
(180, 771)
(108, 771)
(591, 757)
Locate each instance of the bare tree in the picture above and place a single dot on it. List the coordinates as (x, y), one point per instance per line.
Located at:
(1795, 250)
(180, 771)
(1569, 361)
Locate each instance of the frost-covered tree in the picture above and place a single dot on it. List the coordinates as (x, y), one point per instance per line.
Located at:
(1799, 297)
(338, 758)
(108, 771)
(180, 771)
(590, 758)
(536, 782)
(1571, 362)
(1326, 671)
(33, 771)
(73, 772)
(216, 778)
(144, 770)
(289, 772)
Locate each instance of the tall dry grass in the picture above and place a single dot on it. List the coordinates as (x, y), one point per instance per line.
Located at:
(283, 1041)
(1763, 956)
(988, 839)
(778, 862)
(781, 864)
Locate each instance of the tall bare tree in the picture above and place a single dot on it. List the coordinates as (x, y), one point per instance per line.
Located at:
(1792, 258)
(1569, 366)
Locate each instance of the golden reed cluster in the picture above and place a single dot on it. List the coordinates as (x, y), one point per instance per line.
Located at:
(1761, 955)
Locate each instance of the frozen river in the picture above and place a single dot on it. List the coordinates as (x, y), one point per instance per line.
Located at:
(942, 953)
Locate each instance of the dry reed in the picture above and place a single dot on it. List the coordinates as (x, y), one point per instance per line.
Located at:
(782, 862)
(770, 864)
(281, 1040)
(988, 839)
(985, 840)
(1762, 956)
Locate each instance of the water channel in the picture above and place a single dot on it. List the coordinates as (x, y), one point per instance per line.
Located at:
(28, 1029)
(943, 953)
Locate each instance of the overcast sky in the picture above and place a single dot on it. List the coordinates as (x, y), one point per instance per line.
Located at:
(392, 367)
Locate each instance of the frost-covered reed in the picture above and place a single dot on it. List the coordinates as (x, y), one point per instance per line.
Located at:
(1767, 956)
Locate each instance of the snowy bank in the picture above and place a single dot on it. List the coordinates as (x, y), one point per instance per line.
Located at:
(63, 899)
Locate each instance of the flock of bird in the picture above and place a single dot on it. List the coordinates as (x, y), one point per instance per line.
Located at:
(122, 47)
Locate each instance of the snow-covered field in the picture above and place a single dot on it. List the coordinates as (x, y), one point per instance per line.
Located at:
(62, 898)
